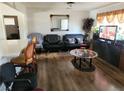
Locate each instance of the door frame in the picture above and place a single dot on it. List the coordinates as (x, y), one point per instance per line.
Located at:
(16, 23)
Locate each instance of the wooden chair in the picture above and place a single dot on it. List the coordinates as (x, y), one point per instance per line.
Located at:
(27, 59)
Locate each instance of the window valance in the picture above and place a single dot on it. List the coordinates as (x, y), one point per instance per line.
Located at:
(111, 15)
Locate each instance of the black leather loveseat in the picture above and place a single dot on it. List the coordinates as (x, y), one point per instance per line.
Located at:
(72, 41)
(52, 42)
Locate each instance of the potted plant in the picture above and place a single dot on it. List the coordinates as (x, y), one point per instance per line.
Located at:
(95, 33)
(87, 25)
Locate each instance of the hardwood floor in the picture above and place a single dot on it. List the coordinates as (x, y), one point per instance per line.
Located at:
(56, 72)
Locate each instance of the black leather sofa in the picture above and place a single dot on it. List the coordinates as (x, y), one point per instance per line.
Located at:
(72, 41)
(52, 42)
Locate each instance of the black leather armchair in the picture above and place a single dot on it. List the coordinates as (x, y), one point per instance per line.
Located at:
(52, 42)
(21, 82)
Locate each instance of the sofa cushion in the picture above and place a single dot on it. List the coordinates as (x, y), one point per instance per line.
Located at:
(52, 39)
(71, 40)
(79, 40)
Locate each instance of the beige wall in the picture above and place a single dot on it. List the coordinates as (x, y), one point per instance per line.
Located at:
(12, 47)
(39, 21)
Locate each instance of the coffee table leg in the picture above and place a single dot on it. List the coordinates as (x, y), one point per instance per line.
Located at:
(80, 63)
(90, 65)
(84, 60)
(74, 59)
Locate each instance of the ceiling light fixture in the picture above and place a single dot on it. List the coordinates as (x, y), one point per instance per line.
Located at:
(70, 4)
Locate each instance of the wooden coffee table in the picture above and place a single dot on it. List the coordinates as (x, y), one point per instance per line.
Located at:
(83, 59)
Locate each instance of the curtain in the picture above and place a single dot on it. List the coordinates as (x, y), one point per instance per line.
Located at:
(111, 15)
(100, 18)
(120, 16)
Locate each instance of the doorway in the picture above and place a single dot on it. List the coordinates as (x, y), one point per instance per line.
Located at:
(11, 27)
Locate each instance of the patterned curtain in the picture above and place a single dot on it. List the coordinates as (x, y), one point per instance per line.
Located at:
(100, 18)
(110, 16)
(120, 16)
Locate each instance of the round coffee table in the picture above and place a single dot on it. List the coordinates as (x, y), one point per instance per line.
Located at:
(83, 59)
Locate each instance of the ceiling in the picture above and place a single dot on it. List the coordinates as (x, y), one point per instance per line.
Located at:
(83, 6)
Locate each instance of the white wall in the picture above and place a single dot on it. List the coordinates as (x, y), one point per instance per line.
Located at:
(17, 5)
(12, 47)
(39, 21)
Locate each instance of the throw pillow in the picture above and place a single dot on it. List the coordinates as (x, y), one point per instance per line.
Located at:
(71, 40)
(79, 40)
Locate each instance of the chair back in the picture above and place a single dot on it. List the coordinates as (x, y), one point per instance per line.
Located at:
(38, 36)
(34, 40)
(29, 53)
(7, 73)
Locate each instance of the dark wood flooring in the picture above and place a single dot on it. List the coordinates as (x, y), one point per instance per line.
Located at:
(56, 72)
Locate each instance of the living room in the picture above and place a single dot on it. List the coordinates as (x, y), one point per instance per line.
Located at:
(59, 31)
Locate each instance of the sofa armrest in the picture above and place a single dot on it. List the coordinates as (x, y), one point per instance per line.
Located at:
(45, 43)
(18, 80)
(13, 81)
(66, 41)
(61, 42)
